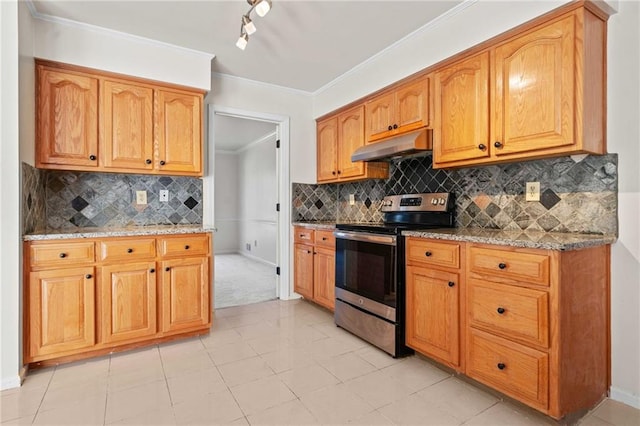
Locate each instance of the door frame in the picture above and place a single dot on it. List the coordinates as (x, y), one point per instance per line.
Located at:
(283, 286)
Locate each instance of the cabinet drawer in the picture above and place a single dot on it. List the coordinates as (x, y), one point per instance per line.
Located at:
(325, 239)
(527, 267)
(127, 249)
(514, 312)
(60, 254)
(516, 370)
(433, 252)
(187, 245)
(303, 235)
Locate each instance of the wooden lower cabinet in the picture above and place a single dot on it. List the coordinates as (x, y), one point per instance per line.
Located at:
(314, 263)
(88, 297)
(61, 312)
(532, 323)
(185, 294)
(128, 302)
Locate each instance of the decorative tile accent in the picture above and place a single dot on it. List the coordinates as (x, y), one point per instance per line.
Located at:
(579, 194)
(33, 199)
(80, 200)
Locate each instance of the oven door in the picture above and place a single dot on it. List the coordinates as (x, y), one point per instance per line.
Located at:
(366, 265)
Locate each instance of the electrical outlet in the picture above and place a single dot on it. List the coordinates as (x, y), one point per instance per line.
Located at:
(141, 197)
(164, 195)
(532, 191)
(255, 243)
(248, 246)
(352, 199)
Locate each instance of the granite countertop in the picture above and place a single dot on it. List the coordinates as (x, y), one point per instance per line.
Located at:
(324, 224)
(129, 231)
(525, 239)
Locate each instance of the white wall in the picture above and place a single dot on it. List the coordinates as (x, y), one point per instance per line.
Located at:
(251, 96)
(93, 47)
(486, 19)
(26, 42)
(10, 259)
(623, 138)
(258, 196)
(226, 203)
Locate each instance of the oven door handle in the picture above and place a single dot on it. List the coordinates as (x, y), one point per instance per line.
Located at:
(389, 240)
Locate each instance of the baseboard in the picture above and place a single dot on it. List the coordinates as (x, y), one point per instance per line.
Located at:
(257, 259)
(625, 397)
(230, 251)
(10, 383)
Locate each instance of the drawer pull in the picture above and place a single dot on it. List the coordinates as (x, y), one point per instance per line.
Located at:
(308, 251)
(88, 276)
(500, 311)
(63, 255)
(497, 144)
(502, 265)
(427, 253)
(186, 247)
(167, 269)
(129, 250)
(482, 147)
(162, 162)
(390, 128)
(324, 238)
(148, 161)
(152, 270)
(451, 283)
(301, 235)
(92, 157)
(501, 366)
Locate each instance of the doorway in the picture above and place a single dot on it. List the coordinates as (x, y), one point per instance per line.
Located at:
(247, 178)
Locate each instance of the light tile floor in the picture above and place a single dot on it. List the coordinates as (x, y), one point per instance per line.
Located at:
(240, 280)
(268, 363)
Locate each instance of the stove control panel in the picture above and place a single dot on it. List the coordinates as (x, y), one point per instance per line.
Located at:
(428, 202)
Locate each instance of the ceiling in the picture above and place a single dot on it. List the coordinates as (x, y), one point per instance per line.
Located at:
(303, 44)
(233, 134)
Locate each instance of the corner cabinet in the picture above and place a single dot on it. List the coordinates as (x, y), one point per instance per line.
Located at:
(337, 138)
(314, 265)
(540, 93)
(530, 323)
(400, 110)
(89, 297)
(89, 120)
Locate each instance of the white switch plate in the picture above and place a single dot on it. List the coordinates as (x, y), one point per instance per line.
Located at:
(164, 195)
(532, 191)
(352, 199)
(141, 197)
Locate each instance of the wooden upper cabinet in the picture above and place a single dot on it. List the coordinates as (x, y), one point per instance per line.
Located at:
(67, 119)
(90, 120)
(461, 110)
(179, 132)
(126, 129)
(350, 137)
(327, 145)
(337, 138)
(535, 91)
(547, 96)
(404, 109)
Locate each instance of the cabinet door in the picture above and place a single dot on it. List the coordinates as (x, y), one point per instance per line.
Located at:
(127, 301)
(327, 150)
(412, 102)
(67, 119)
(126, 126)
(461, 111)
(61, 312)
(380, 117)
(350, 138)
(324, 277)
(185, 294)
(535, 90)
(303, 270)
(433, 313)
(179, 132)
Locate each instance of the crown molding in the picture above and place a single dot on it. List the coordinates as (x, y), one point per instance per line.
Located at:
(261, 83)
(119, 34)
(434, 22)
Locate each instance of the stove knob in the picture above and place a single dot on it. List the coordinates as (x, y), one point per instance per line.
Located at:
(389, 203)
(442, 201)
(434, 201)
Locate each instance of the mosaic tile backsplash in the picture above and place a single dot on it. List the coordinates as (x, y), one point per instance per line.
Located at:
(578, 194)
(33, 199)
(79, 200)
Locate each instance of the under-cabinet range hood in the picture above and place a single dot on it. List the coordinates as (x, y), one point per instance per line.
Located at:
(412, 143)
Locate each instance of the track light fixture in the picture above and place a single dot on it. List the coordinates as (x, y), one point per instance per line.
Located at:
(247, 27)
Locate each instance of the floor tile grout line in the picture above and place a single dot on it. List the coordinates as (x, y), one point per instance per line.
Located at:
(44, 394)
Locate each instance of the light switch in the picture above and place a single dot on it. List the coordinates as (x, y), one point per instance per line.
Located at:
(352, 199)
(141, 197)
